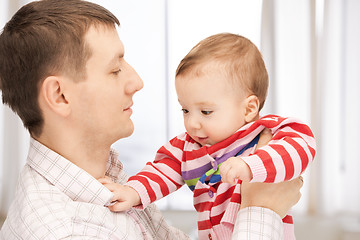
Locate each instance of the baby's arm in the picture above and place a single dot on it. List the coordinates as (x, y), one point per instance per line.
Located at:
(125, 197)
(235, 168)
(286, 156)
(162, 176)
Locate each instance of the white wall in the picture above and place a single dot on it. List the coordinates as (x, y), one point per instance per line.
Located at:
(14, 138)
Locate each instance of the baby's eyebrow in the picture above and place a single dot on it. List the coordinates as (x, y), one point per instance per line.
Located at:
(201, 103)
(205, 103)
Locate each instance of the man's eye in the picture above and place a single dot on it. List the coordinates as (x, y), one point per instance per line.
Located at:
(184, 110)
(116, 72)
(206, 112)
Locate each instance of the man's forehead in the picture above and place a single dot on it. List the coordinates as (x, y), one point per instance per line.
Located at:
(101, 31)
(103, 39)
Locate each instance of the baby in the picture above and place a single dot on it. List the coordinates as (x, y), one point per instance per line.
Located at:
(221, 86)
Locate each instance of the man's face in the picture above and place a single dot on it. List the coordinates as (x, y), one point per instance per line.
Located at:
(102, 102)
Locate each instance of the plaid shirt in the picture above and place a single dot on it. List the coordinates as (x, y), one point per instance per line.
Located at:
(258, 223)
(55, 199)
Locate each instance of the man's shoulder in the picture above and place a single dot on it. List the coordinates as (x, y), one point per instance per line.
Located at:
(38, 209)
(33, 187)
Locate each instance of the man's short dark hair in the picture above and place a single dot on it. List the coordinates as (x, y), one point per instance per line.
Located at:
(45, 38)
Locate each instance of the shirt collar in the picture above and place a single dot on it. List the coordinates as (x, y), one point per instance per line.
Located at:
(69, 178)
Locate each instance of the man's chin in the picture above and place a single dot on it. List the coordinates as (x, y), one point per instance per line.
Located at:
(127, 132)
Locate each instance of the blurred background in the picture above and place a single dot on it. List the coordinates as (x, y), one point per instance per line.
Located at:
(312, 53)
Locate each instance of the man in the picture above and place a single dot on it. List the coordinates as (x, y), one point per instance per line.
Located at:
(63, 71)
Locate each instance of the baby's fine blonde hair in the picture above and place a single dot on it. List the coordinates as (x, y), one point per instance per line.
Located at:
(238, 56)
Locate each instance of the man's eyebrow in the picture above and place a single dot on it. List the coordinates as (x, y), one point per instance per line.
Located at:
(115, 59)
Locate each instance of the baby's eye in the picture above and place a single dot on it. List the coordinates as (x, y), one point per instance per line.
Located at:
(184, 110)
(206, 112)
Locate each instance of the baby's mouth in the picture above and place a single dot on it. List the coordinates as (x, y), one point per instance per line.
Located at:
(202, 140)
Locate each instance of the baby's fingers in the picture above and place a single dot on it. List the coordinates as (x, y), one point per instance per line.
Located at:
(230, 178)
(227, 175)
(105, 180)
(224, 168)
(116, 189)
(120, 207)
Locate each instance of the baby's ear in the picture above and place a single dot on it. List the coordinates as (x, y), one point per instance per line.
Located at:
(252, 104)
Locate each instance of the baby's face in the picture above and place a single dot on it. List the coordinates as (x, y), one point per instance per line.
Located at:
(212, 109)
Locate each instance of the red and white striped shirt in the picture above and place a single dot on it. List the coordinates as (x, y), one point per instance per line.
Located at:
(181, 160)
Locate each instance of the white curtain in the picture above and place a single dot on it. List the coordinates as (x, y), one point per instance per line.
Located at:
(313, 54)
(286, 44)
(339, 85)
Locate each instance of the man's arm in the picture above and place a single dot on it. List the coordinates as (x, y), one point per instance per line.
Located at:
(262, 208)
(265, 204)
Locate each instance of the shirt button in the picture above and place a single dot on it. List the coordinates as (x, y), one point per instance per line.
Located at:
(211, 193)
(210, 237)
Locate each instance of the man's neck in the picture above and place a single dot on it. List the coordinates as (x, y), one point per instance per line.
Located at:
(88, 155)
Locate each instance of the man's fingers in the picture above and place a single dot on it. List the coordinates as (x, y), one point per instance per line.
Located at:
(298, 182)
(301, 179)
(265, 138)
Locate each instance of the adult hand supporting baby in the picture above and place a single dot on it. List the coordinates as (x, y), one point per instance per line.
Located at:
(279, 197)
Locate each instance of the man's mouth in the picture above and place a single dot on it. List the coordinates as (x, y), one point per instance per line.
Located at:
(128, 109)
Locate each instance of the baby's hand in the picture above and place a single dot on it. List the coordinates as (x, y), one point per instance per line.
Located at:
(233, 169)
(125, 197)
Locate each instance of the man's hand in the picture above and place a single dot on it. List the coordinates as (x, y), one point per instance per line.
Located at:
(279, 197)
(265, 137)
(125, 197)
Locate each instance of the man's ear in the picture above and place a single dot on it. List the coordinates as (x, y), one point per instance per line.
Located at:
(252, 104)
(52, 94)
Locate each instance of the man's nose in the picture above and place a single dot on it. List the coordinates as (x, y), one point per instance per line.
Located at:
(134, 84)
